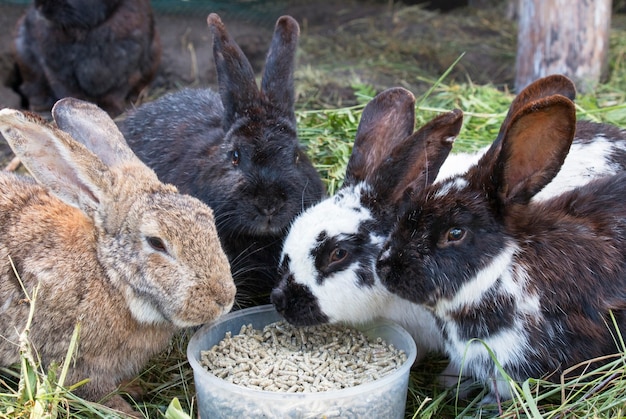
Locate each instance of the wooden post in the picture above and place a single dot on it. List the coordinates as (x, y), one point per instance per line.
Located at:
(569, 37)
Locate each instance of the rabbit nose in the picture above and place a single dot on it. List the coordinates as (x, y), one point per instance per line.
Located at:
(269, 211)
(279, 299)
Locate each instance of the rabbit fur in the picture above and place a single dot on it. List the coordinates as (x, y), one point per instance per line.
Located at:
(237, 151)
(105, 52)
(327, 264)
(108, 246)
(356, 221)
(534, 280)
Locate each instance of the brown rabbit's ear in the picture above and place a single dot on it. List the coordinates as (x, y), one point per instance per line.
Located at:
(533, 149)
(555, 84)
(545, 87)
(94, 128)
(387, 120)
(277, 81)
(67, 168)
(540, 89)
(235, 77)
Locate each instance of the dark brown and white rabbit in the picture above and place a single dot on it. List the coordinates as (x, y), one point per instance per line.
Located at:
(103, 51)
(536, 282)
(107, 245)
(238, 152)
(352, 225)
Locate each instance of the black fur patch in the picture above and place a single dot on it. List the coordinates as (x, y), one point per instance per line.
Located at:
(360, 250)
(284, 265)
(297, 304)
(496, 312)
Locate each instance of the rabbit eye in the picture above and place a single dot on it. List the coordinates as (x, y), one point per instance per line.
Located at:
(338, 254)
(455, 234)
(157, 244)
(235, 157)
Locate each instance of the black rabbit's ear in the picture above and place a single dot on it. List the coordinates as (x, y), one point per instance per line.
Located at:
(235, 76)
(534, 147)
(387, 120)
(414, 164)
(277, 81)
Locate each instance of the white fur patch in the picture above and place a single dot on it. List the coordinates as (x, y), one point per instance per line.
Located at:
(473, 291)
(584, 163)
(416, 319)
(334, 216)
(341, 296)
(450, 186)
(510, 346)
(143, 311)
(459, 163)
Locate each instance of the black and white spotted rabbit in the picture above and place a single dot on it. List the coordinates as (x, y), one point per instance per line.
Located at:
(536, 281)
(237, 151)
(328, 261)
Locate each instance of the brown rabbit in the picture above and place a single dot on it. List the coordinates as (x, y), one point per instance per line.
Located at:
(96, 50)
(108, 245)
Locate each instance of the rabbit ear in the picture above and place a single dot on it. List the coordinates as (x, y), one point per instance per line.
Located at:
(540, 89)
(415, 162)
(534, 147)
(67, 168)
(92, 127)
(555, 84)
(277, 81)
(386, 120)
(235, 77)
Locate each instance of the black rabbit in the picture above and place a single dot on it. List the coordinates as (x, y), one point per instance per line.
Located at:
(102, 51)
(535, 281)
(238, 151)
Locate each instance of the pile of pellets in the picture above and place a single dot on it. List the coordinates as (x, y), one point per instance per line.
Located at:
(285, 358)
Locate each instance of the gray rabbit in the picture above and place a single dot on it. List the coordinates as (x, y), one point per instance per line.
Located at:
(237, 151)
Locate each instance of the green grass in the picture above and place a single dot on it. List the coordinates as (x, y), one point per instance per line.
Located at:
(329, 133)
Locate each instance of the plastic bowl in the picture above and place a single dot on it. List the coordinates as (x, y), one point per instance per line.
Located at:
(383, 398)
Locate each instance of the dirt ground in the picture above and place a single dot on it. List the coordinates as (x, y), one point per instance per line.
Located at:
(343, 44)
(331, 34)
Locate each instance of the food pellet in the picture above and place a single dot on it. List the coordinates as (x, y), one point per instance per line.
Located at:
(285, 358)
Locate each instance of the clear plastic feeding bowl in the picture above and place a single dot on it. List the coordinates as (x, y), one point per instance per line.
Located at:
(217, 398)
